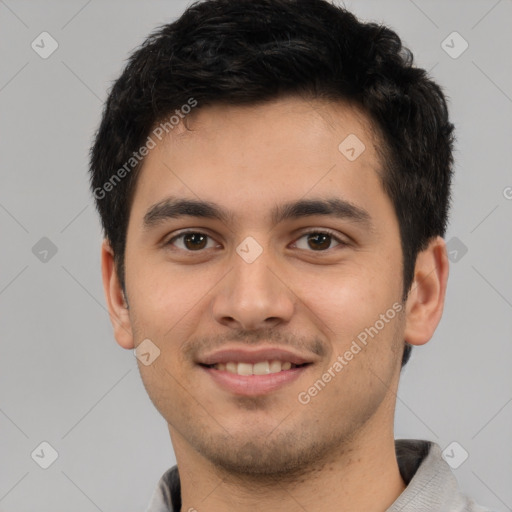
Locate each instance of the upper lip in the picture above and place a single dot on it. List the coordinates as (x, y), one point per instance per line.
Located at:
(246, 355)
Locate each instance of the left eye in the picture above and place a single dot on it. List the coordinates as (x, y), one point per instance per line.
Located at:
(318, 241)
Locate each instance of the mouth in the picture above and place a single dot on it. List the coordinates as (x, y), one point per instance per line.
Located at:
(258, 368)
(254, 379)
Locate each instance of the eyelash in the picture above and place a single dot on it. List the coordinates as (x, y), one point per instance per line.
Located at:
(324, 231)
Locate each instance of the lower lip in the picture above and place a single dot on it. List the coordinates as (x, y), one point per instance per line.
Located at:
(252, 385)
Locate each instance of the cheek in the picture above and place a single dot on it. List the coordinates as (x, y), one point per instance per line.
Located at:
(164, 298)
(347, 301)
(342, 300)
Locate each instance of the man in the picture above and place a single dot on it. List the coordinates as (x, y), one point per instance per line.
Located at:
(273, 180)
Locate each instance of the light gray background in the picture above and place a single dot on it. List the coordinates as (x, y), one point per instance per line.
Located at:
(64, 380)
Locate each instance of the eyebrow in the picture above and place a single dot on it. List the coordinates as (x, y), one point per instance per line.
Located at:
(173, 208)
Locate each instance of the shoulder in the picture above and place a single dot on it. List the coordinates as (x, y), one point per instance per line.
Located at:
(431, 484)
(167, 495)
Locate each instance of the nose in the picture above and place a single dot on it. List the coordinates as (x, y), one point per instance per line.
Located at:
(253, 295)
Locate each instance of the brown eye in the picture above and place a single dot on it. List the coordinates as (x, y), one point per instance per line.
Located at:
(194, 241)
(319, 241)
(191, 241)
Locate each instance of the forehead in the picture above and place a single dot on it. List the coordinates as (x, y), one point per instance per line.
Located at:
(289, 122)
(261, 155)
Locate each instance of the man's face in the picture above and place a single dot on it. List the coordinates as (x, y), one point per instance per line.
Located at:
(308, 283)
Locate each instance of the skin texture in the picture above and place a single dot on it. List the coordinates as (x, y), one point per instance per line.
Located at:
(272, 452)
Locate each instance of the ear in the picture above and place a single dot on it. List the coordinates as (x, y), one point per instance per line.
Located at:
(117, 306)
(424, 305)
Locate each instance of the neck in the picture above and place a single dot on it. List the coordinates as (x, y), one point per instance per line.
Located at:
(365, 476)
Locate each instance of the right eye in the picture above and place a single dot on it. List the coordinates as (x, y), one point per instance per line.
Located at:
(191, 241)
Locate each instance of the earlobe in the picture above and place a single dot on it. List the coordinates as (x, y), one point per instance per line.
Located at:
(115, 297)
(424, 306)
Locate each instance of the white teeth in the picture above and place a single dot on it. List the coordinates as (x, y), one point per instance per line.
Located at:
(244, 369)
(260, 368)
(275, 366)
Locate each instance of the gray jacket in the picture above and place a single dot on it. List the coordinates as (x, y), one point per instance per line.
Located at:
(431, 486)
